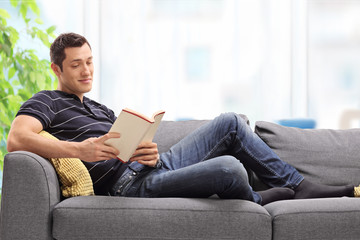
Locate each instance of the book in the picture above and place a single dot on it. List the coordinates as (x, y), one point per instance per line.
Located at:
(134, 128)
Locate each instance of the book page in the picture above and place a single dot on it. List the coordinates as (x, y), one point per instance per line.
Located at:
(152, 130)
(132, 129)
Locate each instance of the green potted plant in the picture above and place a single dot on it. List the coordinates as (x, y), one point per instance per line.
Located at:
(22, 72)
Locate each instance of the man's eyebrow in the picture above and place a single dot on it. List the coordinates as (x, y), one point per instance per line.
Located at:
(79, 60)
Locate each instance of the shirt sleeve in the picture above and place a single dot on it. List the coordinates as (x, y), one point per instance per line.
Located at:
(40, 107)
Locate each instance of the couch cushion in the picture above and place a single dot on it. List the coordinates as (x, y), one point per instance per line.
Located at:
(321, 155)
(102, 217)
(331, 218)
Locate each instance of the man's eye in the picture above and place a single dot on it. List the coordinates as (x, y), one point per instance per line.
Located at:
(74, 66)
(89, 63)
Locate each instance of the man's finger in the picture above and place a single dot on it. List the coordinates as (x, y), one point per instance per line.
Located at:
(109, 135)
(147, 145)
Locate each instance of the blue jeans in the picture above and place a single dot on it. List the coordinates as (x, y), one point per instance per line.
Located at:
(211, 161)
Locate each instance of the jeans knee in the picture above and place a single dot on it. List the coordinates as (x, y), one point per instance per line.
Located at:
(233, 168)
(232, 119)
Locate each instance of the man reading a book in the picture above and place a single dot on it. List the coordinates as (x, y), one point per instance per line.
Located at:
(208, 161)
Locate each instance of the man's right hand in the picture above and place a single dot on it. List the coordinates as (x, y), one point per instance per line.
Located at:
(94, 149)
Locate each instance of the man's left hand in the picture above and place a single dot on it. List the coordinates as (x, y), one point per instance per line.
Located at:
(147, 153)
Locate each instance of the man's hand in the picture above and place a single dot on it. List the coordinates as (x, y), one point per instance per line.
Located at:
(147, 153)
(94, 149)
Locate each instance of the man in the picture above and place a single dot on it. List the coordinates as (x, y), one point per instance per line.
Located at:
(208, 161)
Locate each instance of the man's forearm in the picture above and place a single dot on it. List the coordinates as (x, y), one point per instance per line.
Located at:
(42, 146)
(24, 135)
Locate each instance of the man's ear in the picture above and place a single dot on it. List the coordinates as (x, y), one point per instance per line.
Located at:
(56, 69)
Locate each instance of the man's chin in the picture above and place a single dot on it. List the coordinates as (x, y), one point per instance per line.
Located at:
(87, 89)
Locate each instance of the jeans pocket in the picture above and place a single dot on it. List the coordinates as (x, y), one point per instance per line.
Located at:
(122, 184)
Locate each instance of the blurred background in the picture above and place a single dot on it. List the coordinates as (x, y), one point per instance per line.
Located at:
(269, 59)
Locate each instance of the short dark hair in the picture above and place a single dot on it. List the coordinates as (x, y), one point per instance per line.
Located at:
(65, 40)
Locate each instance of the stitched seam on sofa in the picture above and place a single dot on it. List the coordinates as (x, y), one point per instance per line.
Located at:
(175, 210)
(137, 237)
(316, 213)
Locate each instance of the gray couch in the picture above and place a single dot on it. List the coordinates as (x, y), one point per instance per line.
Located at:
(32, 208)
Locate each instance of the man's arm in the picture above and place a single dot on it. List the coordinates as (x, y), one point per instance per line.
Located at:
(24, 136)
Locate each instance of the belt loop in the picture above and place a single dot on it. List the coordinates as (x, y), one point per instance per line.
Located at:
(135, 166)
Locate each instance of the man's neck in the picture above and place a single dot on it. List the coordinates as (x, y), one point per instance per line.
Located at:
(80, 96)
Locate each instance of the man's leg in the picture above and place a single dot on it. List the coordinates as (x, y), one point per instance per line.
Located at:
(224, 176)
(229, 134)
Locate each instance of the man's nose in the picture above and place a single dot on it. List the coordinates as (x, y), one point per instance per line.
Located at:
(86, 70)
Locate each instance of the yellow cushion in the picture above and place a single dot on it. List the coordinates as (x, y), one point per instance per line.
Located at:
(357, 191)
(73, 175)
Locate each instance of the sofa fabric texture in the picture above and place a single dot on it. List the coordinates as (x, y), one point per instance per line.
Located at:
(331, 218)
(159, 218)
(32, 207)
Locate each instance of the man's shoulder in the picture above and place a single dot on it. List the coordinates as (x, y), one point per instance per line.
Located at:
(48, 99)
(53, 95)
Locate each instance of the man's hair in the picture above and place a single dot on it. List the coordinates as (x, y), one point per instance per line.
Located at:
(65, 40)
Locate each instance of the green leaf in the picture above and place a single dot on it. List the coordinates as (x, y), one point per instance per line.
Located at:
(14, 101)
(3, 23)
(2, 155)
(3, 117)
(7, 85)
(15, 83)
(19, 67)
(24, 94)
(40, 80)
(34, 8)
(6, 46)
(32, 77)
(11, 73)
(43, 37)
(13, 35)
(51, 29)
(39, 21)
(22, 71)
(23, 10)
(4, 13)
(14, 3)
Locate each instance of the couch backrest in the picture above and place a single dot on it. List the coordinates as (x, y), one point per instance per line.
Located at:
(171, 132)
(321, 155)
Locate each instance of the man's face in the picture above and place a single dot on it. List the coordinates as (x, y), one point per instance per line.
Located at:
(77, 74)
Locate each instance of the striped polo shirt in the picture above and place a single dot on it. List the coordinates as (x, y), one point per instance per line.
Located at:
(67, 118)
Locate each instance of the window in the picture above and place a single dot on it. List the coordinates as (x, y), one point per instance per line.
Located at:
(334, 59)
(270, 60)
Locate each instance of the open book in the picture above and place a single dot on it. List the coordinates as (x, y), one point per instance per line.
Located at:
(134, 128)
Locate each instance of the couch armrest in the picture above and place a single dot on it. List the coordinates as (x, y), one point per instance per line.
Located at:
(29, 193)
